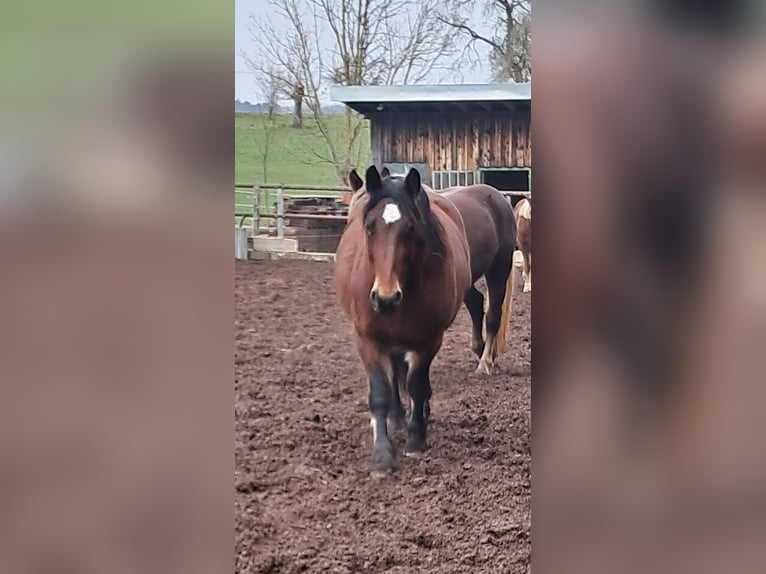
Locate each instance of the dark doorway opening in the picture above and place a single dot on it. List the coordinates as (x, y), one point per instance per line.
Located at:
(507, 180)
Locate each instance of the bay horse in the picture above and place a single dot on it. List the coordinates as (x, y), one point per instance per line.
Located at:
(523, 213)
(402, 269)
(490, 228)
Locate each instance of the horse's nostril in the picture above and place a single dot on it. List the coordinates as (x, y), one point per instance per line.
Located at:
(385, 303)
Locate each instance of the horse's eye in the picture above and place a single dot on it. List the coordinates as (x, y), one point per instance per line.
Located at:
(369, 226)
(410, 228)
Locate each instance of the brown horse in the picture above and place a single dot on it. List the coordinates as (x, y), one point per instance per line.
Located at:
(523, 213)
(402, 269)
(491, 232)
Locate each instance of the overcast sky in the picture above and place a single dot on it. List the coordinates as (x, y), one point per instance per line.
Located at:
(244, 84)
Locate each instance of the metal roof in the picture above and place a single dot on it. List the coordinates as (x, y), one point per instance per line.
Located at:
(441, 97)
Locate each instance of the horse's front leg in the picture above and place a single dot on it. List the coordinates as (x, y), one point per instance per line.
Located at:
(419, 389)
(398, 378)
(383, 454)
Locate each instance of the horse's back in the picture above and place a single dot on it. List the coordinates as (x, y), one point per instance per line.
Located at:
(454, 227)
(446, 209)
(489, 221)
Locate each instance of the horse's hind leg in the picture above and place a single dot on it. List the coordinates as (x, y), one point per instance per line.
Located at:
(399, 378)
(474, 302)
(527, 271)
(497, 283)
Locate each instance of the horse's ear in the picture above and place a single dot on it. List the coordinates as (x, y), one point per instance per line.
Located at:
(354, 180)
(385, 172)
(412, 182)
(372, 178)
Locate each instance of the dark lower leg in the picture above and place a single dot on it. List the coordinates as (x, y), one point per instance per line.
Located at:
(496, 286)
(493, 326)
(427, 404)
(426, 408)
(419, 388)
(383, 455)
(395, 409)
(474, 302)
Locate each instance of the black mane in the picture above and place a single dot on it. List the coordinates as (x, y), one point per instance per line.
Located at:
(420, 210)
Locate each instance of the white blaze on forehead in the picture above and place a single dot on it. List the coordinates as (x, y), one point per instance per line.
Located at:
(391, 213)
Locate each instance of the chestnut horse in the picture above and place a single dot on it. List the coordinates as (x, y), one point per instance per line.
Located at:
(402, 269)
(491, 232)
(523, 213)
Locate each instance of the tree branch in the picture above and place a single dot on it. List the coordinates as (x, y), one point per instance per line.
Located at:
(310, 43)
(472, 33)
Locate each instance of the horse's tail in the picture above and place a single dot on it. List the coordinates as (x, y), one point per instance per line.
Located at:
(505, 314)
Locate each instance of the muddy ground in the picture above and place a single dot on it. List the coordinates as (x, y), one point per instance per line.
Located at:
(305, 500)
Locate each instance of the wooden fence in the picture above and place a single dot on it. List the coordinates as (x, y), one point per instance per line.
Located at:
(260, 210)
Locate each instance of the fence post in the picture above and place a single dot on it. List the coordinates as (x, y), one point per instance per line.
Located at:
(256, 209)
(280, 212)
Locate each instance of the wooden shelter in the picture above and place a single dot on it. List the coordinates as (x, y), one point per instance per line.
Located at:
(453, 134)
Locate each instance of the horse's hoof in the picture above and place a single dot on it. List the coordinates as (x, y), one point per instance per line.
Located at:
(484, 368)
(380, 474)
(383, 457)
(415, 446)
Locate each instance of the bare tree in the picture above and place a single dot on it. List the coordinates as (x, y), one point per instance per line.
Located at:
(308, 44)
(297, 93)
(270, 89)
(507, 33)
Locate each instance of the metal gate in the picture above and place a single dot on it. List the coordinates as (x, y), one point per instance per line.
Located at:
(445, 179)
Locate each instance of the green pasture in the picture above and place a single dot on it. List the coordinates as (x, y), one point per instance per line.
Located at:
(292, 155)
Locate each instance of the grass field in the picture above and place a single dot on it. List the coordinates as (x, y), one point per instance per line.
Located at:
(291, 155)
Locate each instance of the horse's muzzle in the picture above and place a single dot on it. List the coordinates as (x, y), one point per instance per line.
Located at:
(385, 304)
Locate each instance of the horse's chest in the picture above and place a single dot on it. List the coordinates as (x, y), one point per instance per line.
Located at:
(410, 327)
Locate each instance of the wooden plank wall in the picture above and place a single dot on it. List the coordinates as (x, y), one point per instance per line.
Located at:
(459, 141)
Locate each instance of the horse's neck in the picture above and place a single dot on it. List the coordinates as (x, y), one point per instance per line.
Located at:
(357, 202)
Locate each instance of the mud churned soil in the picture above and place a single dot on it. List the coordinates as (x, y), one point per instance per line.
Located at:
(305, 500)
